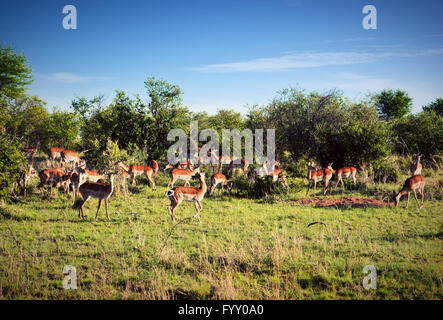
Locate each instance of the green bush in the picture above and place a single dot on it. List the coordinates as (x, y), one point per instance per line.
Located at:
(11, 165)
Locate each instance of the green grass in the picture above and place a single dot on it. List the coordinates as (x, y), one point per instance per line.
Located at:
(242, 249)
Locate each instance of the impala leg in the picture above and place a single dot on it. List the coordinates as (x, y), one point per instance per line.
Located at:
(198, 208)
(133, 180)
(99, 204)
(309, 185)
(106, 207)
(416, 199)
(151, 180)
(422, 196)
(407, 203)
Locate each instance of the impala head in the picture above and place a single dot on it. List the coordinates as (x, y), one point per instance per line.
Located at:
(330, 167)
(168, 166)
(395, 198)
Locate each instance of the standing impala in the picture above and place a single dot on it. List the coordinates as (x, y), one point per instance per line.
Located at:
(411, 184)
(25, 177)
(51, 176)
(135, 170)
(181, 174)
(100, 191)
(346, 172)
(416, 166)
(315, 176)
(219, 179)
(178, 194)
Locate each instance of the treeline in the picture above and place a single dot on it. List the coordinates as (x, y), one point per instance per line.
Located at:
(325, 127)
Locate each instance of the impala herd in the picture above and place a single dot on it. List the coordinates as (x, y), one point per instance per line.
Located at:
(72, 174)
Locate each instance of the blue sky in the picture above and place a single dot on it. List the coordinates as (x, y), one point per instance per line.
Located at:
(230, 53)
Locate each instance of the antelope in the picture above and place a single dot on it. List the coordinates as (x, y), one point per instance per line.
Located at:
(279, 174)
(54, 153)
(274, 171)
(69, 156)
(411, 184)
(178, 194)
(75, 180)
(135, 170)
(181, 174)
(93, 175)
(243, 164)
(315, 176)
(180, 165)
(30, 152)
(154, 165)
(219, 179)
(50, 175)
(416, 166)
(346, 172)
(25, 176)
(101, 191)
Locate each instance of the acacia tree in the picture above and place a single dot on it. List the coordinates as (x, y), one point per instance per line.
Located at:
(392, 104)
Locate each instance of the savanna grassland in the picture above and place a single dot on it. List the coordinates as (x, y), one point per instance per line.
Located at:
(242, 249)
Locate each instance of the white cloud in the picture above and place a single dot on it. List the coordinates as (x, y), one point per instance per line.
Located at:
(296, 60)
(66, 77)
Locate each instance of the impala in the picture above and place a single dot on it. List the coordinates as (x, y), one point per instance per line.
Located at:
(136, 170)
(178, 194)
(54, 153)
(180, 165)
(93, 175)
(411, 184)
(70, 156)
(346, 172)
(100, 191)
(277, 174)
(51, 176)
(416, 166)
(219, 179)
(315, 176)
(25, 177)
(154, 165)
(30, 152)
(181, 174)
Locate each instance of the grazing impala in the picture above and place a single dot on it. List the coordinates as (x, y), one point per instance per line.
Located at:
(135, 170)
(416, 166)
(411, 184)
(51, 176)
(54, 153)
(100, 191)
(219, 179)
(346, 172)
(181, 174)
(178, 194)
(70, 156)
(315, 176)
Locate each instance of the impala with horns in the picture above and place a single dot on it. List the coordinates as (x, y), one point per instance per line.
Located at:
(181, 174)
(50, 176)
(100, 191)
(416, 166)
(219, 179)
(315, 176)
(136, 170)
(178, 194)
(346, 172)
(413, 183)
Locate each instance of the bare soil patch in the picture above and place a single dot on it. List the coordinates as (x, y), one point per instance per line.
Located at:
(354, 202)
